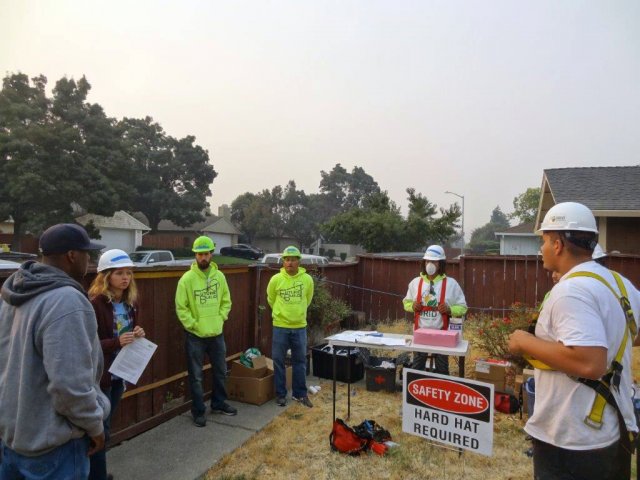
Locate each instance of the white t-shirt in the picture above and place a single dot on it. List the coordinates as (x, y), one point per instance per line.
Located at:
(581, 311)
(452, 296)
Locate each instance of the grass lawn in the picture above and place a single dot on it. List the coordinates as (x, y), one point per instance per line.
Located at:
(296, 444)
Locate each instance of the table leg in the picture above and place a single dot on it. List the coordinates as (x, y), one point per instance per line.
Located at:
(348, 383)
(461, 367)
(334, 383)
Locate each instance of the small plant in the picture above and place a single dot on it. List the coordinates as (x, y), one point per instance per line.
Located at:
(325, 311)
(343, 256)
(331, 253)
(491, 334)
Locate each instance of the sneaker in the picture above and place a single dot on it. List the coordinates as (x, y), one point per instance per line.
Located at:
(200, 421)
(225, 409)
(281, 401)
(304, 401)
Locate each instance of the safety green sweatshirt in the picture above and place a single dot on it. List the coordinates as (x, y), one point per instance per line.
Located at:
(289, 296)
(203, 301)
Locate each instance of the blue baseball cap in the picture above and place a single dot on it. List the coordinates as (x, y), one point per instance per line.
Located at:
(63, 237)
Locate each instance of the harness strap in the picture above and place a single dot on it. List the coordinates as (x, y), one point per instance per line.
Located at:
(428, 308)
(603, 386)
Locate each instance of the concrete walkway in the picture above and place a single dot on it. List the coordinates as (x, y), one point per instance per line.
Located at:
(178, 450)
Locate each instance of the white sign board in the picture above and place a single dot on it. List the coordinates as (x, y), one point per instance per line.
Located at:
(449, 410)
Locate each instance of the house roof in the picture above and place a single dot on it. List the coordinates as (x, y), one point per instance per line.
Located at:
(222, 225)
(522, 230)
(607, 191)
(120, 220)
(599, 188)
(211, 224)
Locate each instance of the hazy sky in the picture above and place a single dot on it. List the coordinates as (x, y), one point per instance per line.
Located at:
(476, 97)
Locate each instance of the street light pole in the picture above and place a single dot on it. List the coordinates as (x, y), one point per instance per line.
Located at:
(462, 197)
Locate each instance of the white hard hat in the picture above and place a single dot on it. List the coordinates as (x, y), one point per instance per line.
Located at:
(598, 252)
(115, 258)
(568, 216)
(434, 252)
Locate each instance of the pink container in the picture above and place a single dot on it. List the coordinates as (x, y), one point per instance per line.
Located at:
(436, 338)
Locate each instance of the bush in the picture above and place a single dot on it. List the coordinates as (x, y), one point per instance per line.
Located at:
(331, 253)
(491, 334)
(343, 256)
(326, 311)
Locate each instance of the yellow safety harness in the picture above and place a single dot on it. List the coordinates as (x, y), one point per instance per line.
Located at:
(603, 386)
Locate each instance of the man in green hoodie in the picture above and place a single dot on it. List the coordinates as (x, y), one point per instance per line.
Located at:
(203, 303)
(289, 294)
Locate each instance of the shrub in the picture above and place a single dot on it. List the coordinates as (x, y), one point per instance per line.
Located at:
(325, 311)
(343, 256)
(491, 334)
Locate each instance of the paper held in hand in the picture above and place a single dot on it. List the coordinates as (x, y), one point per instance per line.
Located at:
(133, 359)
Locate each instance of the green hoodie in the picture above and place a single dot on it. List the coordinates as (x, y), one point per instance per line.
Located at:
(289, 296)
(203, 301)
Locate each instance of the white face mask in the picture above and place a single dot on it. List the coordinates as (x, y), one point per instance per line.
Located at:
(431, 268)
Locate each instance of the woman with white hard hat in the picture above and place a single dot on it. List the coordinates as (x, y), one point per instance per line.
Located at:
(113, 294)
(599, 255)
(434, 300)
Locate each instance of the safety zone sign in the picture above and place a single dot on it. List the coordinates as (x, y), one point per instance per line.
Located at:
(448, 410)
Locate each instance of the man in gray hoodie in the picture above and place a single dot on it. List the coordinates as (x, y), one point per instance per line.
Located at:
(51, 405)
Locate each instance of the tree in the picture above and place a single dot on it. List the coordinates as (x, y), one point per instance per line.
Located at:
(345, 190)
(499, 218)
(46, 167)
(274, 213)
(483, 239)
(171, 177)
(422, 227)
(525, 206)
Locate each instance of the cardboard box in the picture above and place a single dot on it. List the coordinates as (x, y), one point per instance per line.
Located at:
(255, 390)
(492, 371)
(436, 338)
(259, 370)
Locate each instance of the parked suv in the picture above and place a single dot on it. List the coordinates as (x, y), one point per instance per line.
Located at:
(242, 250)
(276, 259)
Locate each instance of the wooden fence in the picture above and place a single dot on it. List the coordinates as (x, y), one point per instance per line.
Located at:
(375, 285)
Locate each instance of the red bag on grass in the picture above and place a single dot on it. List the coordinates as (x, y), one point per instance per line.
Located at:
(343, 439)
(505, 402)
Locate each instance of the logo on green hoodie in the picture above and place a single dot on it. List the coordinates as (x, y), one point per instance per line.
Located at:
(291, 295)
(207, 295)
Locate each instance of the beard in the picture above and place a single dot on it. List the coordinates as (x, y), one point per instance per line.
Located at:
(204, 264)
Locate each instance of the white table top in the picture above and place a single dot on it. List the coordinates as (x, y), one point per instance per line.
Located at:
(461, 350)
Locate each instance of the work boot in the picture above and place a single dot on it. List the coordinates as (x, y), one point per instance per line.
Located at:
(200, 421)
(225, 409)
(304, 401)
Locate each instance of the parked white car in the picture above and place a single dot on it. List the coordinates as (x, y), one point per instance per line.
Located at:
(276, 259)
(152, 258)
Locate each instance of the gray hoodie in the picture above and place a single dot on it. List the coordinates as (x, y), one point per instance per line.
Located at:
(50, 361)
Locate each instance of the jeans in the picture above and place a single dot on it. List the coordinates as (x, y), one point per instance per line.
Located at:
(98, 461)
(296, 340)
(216, 350)
(66, 462)
(555, 463)
(420, 362)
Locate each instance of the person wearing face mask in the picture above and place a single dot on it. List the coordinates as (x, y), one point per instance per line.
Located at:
(434, 298)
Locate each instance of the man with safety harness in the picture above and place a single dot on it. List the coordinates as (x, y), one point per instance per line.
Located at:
(434, 299)
(583, 424)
